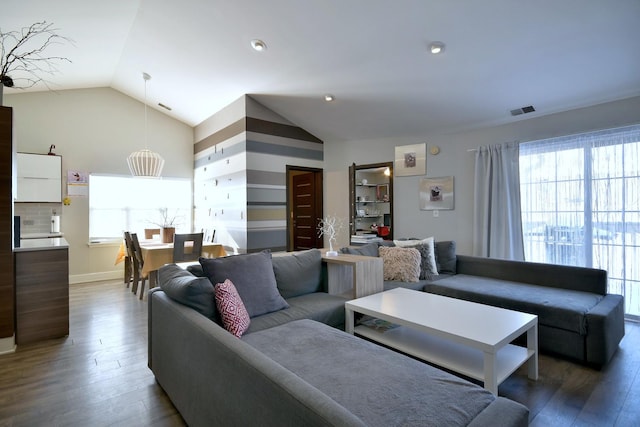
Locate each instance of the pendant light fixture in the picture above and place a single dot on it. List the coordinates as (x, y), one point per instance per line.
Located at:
(145, 163)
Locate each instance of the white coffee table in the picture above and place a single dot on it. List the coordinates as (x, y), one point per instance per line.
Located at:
(465, 337)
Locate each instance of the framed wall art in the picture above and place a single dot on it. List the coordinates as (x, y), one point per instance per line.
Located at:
(382, 192)
(436, 193)
(410, 160)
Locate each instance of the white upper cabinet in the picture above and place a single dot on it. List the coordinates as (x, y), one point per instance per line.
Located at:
(39, 178)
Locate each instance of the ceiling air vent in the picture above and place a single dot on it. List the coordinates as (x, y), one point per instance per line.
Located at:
(523, 110)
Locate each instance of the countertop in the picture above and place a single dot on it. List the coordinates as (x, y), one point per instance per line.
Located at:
(39, 235)
(27, 245)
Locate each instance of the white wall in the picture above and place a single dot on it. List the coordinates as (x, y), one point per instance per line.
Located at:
(94, 130)
(454, 159)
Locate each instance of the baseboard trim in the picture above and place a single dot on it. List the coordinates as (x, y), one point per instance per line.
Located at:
(94, 277)
(7, 345)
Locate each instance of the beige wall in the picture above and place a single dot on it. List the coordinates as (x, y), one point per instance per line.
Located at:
(94, 130)
(455, 159)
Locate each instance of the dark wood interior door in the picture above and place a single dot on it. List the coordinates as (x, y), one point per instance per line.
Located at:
(306, 210)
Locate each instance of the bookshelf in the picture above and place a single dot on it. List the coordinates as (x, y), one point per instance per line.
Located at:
(371, 201)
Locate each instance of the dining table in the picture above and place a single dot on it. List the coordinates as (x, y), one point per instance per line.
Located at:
(155, 254)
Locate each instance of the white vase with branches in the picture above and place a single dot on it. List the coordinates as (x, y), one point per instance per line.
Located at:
(167, 223)
(330, 226)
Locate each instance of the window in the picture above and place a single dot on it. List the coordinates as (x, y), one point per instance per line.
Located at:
(119, 203)
(581, 205)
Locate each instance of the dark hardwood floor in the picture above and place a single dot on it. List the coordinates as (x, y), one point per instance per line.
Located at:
(569, 394)
(98, 376)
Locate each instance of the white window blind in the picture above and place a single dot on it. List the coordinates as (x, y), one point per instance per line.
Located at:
(124, 203)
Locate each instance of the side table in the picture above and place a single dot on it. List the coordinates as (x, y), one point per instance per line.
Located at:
(354, 276)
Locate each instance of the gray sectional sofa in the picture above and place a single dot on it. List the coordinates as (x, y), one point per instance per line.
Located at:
(291, 367)
(577, 318)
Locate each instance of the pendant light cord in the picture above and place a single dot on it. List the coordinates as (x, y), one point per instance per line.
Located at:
(146, 78)
(144, 162)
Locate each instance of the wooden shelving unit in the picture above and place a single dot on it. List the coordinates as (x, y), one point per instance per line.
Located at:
(371, 198)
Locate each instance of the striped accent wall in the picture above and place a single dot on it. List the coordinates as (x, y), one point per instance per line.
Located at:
(240, 175)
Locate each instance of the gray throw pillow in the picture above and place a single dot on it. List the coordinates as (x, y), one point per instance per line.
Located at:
(426, 268)
(196, 270)
(370, 249)
(185, 288)
(298, 273)
(446, 256)
(254, 279)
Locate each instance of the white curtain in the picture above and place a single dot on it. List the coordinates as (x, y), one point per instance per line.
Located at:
(497, 223)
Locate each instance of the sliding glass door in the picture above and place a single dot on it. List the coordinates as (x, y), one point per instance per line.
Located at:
(581, 205)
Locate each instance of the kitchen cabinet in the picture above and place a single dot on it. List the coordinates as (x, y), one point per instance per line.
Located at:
(39, 178)
(42, 289)
(371, 200)
(7, 313)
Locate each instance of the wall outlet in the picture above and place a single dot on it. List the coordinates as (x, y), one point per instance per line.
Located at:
(28, 222)
(436, 213)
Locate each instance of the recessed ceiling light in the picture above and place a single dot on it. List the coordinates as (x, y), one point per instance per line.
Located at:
(328, 97)
(436, 47)
(258, 45)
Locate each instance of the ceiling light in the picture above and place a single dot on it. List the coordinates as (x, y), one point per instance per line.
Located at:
(436, 47)
(145, 163)
(328, 97)
(258, 45)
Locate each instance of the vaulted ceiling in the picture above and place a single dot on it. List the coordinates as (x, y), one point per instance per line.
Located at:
(372, 55)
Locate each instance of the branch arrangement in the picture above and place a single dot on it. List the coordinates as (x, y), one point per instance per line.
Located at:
(167, 219)
(21, 54)
(329, 226)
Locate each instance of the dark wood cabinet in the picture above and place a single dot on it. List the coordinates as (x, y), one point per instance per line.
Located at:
(42, 295)
(7, 286)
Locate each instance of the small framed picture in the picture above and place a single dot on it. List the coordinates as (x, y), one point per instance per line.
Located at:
(436, 193)
(410, 160)
(382, 192)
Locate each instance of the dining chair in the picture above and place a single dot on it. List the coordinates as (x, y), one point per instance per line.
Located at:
(209, 235)
(128, 259)
(183, 252)
(138, 263)
(150, 232)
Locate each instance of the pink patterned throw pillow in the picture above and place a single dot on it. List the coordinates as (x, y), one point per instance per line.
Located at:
(233, 313)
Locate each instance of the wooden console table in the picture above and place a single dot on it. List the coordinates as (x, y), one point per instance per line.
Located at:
(353, 275)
